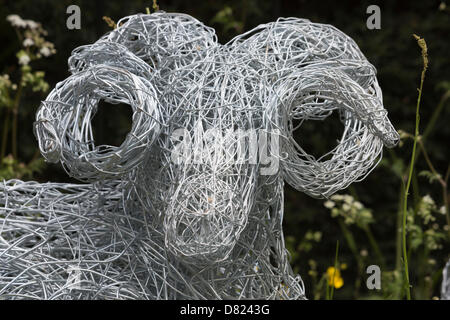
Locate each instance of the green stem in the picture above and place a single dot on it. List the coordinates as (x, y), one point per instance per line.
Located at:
(335, 268)
(430, 125)
(369, 233)
(415, 191)
(5, 134)
(445, 198)
(375, 246)
(422, 44)
(15, 120)
(352, 245)
(398, 228)
(442, 181)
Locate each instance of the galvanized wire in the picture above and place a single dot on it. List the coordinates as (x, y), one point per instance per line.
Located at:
(63, 122)
(445, 286)
(186, 207)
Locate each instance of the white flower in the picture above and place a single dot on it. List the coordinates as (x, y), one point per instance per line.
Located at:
(329, 204)
(348, 198)
(428, 200)
(16, 21)
(4, 81)
(337, 197)
(24, 59)
(45, 51)
(12, 17)
(358, 205)
(31, 24)
(28, 42)
(346, 207)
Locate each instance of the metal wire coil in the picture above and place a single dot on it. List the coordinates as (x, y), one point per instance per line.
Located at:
(190, 205)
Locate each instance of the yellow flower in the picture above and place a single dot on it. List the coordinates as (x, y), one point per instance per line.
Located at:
(334, 277)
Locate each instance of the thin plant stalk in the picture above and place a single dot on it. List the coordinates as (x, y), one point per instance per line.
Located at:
(353, 247)
(335, 268)
(422, 44)
(5, 135)
(375, 246)
(15, 120)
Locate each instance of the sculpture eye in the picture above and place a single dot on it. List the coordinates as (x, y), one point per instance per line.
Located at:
(317, 134)
(64, 130)
(111, 123)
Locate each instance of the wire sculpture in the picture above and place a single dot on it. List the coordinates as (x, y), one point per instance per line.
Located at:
(190, 205)
(445, 286)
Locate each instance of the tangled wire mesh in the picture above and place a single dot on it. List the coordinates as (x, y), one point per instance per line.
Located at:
(445, 287)
(190, 205)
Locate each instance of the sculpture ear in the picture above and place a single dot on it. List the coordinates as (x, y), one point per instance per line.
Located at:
(157, 36)
(108, 53)
(313, 93)
(63, 122)
(315, 70)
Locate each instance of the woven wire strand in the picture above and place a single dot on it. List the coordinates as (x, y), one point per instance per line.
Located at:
(63, 122)
(180, 210)
(445, 286)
